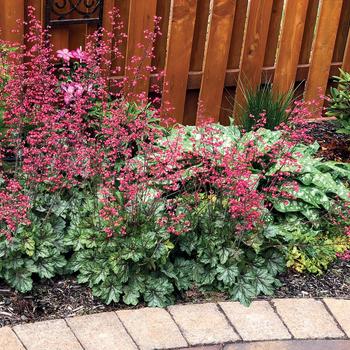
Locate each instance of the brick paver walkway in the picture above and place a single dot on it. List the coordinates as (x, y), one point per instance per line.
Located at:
(279, 324)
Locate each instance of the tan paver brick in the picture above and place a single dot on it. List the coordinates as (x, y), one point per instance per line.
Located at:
(47, 335)
(204, 347)
(340, 309)
(152, 328)
(256, 322)
(307, 318)
(101, 331)
(293, 345)
(203, 324)
(8, 340)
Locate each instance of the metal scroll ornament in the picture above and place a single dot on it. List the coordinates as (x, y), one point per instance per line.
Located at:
(65, 12)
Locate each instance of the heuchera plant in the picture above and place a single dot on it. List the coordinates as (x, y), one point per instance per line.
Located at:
(92, 184)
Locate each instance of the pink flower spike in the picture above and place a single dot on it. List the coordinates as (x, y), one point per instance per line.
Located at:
(65, 54)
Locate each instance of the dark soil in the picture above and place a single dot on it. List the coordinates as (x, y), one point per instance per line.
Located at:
(334, 146)
(64, 297)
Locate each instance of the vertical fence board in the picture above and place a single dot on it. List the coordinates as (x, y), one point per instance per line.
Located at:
(197, 56)
(123, 7)
(290, 45)
(253, 50)
(199, 35)
(60, 35)
(346, 59)
(215, 61)
(38, 5)
(163, 11)
(177, 63)
(309, 30)
(10, 12)
(322, 49)
(274, 31)
(342, 33)
(237, 34)
(141, 19)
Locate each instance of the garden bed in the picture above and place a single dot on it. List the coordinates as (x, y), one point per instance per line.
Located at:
(334, 146)
(64, 297)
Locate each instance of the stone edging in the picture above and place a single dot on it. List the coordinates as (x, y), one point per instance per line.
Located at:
(211, 326)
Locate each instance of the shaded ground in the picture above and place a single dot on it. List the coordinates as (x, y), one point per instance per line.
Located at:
(334, 146)
(64, 297)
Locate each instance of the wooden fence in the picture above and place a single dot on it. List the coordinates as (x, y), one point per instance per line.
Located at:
(208, 46)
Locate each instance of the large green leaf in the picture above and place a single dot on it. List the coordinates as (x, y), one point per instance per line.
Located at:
(227, 274)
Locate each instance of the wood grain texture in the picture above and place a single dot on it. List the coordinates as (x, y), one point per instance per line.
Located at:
(199, 35)
(342, 33)
(322, 50)
(141, 19)
(177, 63)
(309, 31)
(10, 12)
(254, 46)
(346, 59)
(215, 60)
(273, 34)
(237, 34)
(163, 11)
(290, 45)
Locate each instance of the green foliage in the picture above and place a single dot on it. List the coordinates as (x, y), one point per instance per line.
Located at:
(300, 230)
(339, 105)
(307, 248)
(262, 104)
(38, 248)
(119, 268)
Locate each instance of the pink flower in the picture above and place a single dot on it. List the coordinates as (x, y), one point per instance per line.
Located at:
(79, 54)
(72, 91)
(65, 54)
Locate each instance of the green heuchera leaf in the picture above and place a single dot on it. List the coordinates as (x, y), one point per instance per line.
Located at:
(227, 274)
(158, 292)
(243, 291)
(109, 291)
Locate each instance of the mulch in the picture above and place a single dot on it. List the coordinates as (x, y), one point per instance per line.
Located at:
(64, 297)
(333, 146)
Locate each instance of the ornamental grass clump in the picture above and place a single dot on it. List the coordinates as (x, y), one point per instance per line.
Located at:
(96, 187)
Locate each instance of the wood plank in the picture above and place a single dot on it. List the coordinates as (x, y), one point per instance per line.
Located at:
(60, 34)
(10, 13)
(342, 34)
(119, 62)
(237, 34)
(141, 19)
(215, 61)
(200, 35)
(38, 5)
(274, 31)
(290, 45)
(177, 62)
(254, 46)
(309, 31)
(322, 50)
(197, 57)
(346, 59)
(163, 11)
